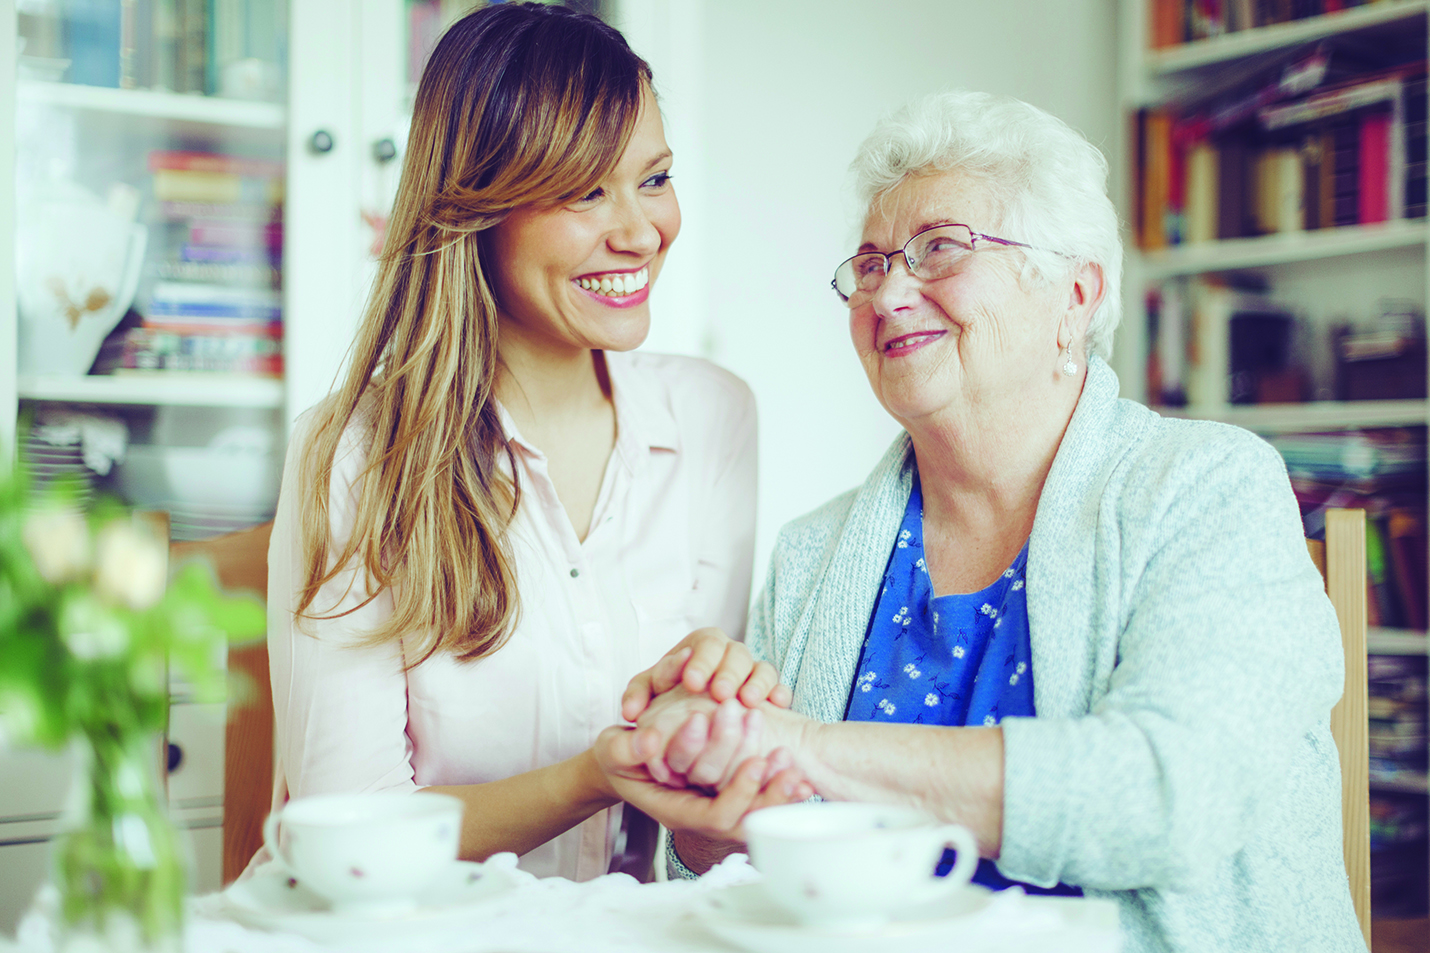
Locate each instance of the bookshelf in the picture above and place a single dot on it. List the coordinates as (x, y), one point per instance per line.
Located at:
(1231, 46)
(1319, 278)
(155, 105)
(158, 389)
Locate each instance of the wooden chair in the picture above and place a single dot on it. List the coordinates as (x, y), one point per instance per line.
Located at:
(1341, 559)
(240, 561)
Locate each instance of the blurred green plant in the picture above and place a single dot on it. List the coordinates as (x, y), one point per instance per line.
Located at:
(91, 628)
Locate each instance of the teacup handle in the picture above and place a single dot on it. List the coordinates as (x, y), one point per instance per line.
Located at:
(962, 840)
(270, 838)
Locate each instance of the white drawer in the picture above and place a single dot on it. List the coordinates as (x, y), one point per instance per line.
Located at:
(33, 784)
(197, 732)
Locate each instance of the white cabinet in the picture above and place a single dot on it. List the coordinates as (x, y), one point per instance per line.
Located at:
(346, 91)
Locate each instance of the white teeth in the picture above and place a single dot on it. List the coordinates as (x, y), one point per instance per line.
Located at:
(615, 286)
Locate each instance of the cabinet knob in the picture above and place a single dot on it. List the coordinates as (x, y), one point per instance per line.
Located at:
(384, 150)
(176, 757)
(322, 141)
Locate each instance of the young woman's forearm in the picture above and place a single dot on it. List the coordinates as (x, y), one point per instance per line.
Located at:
(955, 774)
(525, 811)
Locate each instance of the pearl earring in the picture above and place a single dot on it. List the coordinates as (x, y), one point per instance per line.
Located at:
(1069, 365)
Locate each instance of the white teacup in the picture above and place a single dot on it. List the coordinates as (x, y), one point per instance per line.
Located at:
(367, 853)
(851, 866)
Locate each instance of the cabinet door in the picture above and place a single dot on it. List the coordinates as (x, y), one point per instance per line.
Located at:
(346, 96)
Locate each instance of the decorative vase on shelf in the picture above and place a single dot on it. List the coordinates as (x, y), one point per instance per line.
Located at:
(77, 271)
(118, 869)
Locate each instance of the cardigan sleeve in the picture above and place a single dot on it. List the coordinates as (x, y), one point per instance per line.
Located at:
(1228, 663)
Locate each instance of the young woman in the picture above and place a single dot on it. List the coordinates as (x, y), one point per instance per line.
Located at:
(499, 516)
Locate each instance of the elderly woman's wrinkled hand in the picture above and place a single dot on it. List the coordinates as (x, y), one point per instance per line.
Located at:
(699, 742)
(706, 660)
(623, 753)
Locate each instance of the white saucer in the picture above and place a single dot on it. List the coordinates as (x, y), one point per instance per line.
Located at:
(748, 917)
(272, 900)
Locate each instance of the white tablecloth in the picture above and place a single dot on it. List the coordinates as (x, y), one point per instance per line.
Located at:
(615, 914)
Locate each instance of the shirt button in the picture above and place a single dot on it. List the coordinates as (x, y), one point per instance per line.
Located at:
(575, 573)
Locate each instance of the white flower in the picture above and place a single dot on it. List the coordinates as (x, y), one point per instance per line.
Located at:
(19, 717)
(132, 565)
(958, 651)
(931, 699)
(988, 610)
(1017, 584)
(868, 676)
(887, 706)
(90, 631)
(58, 542)
(915, 673)
(1013, 679)
(864, 687)
(989, 721)
(1008, 573)
(901, 614)
(1022, 667)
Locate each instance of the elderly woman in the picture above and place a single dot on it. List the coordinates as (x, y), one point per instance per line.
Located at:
(1089, 634)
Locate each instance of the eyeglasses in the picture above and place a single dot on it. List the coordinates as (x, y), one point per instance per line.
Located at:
(933, 253)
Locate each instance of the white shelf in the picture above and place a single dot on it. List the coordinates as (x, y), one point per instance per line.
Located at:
(1315, 415)
(176, 107)
(1396, 642)
(196, 390)
(1231, 46)
(1286, 248)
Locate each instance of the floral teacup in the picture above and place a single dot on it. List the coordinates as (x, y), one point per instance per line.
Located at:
(847, 866)
(367, 853)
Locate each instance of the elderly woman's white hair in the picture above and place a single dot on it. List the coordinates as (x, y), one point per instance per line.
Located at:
(1049, 181)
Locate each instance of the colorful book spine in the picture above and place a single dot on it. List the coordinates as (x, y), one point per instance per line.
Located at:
(1374, 168)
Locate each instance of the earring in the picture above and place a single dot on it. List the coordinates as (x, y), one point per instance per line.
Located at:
(1069, 365)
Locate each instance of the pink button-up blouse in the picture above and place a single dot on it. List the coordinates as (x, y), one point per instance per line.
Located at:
(669, 550)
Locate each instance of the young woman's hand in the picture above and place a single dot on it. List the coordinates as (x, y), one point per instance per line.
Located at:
(707, 660)
(622, 754)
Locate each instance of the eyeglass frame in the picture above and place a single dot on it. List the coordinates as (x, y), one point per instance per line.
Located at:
(974, 238)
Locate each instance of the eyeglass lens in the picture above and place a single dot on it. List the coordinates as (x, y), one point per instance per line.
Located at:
(931, 254)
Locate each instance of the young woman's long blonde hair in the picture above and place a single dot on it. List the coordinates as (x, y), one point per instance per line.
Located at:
(520, 104)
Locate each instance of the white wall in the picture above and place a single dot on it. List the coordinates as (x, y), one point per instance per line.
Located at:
(765, 110)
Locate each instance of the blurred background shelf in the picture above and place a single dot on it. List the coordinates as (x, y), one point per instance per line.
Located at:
(1231, 46)
(150, 104)
(1282, 249)
(164, 388)
(1397, 642)
(1314, 415)
(1412, 785)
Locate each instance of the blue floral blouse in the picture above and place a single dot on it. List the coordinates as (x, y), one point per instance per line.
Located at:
(946, 660)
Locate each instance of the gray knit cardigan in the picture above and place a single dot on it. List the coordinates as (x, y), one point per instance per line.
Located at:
(1185, 662)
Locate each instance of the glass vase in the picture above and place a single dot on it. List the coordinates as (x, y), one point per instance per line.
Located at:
(120, 875)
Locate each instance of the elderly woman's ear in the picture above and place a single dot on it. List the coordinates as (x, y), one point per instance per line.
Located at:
(1089, 288)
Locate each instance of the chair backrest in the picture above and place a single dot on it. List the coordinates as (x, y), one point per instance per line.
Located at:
(241, 562)
(1341, 559)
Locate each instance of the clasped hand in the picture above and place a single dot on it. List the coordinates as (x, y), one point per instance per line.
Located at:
(699, 758)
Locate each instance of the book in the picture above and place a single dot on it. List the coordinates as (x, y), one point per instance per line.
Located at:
(1406, 542)
(93, 29)
(1201, 195)
(1374, 168)
(1157, 152)
(1380, 610)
